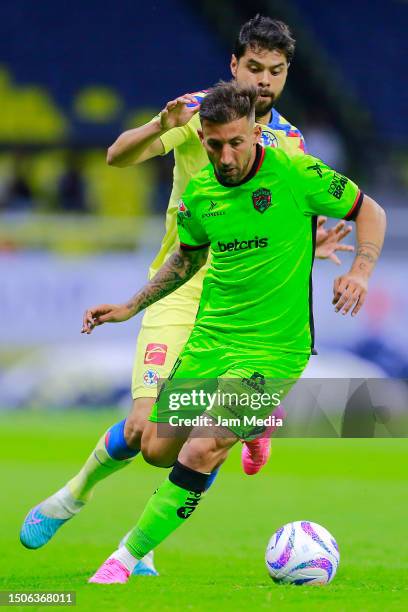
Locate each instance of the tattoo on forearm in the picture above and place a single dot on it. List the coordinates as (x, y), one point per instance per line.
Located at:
(177, 270)
(365, 254)
(370, 245)
(368, 253)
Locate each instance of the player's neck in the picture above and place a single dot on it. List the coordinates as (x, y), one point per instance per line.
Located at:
(265, 119)
(254, 160)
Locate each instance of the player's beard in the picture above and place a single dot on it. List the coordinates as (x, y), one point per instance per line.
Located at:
(238, 177)
(263, 106)
(227, 179)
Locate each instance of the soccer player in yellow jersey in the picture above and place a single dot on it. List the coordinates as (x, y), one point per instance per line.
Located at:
(263, 52)
(255, 319)
(262, 55)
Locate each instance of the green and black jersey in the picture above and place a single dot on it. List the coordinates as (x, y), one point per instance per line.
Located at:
(257, 291)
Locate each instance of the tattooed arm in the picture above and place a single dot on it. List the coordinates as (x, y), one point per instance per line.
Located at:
(176, 271)
(351, 288)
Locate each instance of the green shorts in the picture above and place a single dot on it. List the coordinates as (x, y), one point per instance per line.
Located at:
(226, 387)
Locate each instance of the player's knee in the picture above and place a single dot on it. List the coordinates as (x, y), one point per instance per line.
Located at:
(136, 422)
(155, 455)
(155, 452)
(202, 454)
(133, 433)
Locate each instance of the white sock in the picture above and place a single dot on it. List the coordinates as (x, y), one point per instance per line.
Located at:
(61, 505)
(123, 555)
(147, 559)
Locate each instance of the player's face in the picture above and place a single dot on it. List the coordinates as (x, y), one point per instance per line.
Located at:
(231, 147)
(266, 70)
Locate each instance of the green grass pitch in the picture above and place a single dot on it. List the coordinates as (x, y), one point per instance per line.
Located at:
(355, 488)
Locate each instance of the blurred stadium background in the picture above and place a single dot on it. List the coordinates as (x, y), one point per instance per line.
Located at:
(74, 231)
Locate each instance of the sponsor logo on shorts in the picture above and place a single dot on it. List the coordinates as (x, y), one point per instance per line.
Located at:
(262, 199)
(337, 185)
(190, 505)
(155, 354)
(150, 378)
(256, 382)
(243, 245)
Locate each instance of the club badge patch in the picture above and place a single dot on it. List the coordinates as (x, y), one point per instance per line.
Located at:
(269, 139)
(150, 378)
(262, 199)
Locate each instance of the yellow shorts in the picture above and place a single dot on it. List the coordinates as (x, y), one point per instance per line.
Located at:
(166, 327)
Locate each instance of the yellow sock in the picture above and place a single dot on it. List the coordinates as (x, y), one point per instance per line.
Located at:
(98, 466)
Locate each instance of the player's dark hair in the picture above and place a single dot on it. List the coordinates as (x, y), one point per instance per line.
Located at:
(265, 33)
(228, 101)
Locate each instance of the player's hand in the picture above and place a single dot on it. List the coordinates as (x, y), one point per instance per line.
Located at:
(104, 313)
(328, 241)
(349, 291)
(178, 112)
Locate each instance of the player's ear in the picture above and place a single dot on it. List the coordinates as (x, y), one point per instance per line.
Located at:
(234, 65)
(257, 132)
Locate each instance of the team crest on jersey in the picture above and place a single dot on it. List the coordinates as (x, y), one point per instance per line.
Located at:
(262, 199)
(268, 139)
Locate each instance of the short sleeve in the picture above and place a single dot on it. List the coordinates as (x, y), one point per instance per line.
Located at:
(191, 232)
(320, 190)
(181, 135)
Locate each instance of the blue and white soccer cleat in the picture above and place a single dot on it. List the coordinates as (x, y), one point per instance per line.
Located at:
(145, 567)
(43, 521)
(38, 529)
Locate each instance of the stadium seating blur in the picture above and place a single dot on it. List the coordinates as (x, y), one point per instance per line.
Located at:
(73, 77)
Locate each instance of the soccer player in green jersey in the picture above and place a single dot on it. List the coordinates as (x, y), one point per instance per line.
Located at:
(256, 210)
(261, 57)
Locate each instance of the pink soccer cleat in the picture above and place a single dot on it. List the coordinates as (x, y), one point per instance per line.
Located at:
(111, 572)
(255, 454)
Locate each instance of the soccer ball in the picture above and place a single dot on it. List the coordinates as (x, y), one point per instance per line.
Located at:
(302, 553)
